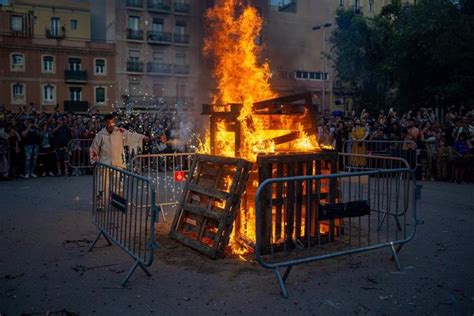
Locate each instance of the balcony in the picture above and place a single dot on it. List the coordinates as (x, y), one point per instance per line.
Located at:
(76, 106)
(160, 6)
(181, 39)
(55, 33)
(134, 4)
(181, 69)
(135, 66)
(134, 35)
(78, 76)
(159, 68)
(159, 38)
(181, 8)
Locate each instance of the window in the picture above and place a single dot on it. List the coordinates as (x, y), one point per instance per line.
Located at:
(133, 22)
(75, 64)
(341, 3)
(371, 5)
(55, 26)
(49, 93)
(180, 28)
(310, 75)
(180, 91)
(18, 93)
(48, 64)
(17, 23)
(181, 59)
(73, 24)
(100, 67)
(158, 57)
(75, 93)
(99, 95)
(134, 55)
(17, 62)
(157, 26)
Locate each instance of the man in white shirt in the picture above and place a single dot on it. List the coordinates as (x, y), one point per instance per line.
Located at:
(108, 145)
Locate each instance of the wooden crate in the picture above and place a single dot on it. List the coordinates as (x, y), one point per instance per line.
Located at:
(209, 203)
(285, 220)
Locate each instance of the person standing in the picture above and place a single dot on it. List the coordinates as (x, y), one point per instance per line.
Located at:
(31, 140)
(108, 145)
(62, 136)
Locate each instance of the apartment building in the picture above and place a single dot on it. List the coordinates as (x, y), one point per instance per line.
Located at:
(158, 45)
(47, 58)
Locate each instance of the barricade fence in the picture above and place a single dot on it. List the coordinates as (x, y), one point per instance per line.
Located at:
(124, 212)
(168, 172)
(78, 151)
(333, 215)
(406, 150)
(349, 162)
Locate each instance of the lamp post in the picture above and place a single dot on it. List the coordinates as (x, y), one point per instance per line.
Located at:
(324, 27)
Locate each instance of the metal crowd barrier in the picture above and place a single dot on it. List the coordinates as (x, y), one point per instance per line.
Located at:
(78, 151)
(366, 211)
(358, 162)
(125, 213)
(404, 149)
(168, 173)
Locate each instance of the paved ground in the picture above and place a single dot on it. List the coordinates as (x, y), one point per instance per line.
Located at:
(45, 230)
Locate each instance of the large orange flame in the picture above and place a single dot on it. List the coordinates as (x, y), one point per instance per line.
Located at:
(241, 77)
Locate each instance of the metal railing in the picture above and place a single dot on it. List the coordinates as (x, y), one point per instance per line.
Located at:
(76, 106)
(78, 151)
(159, 5)
(365, 211)
(159, 68)
(160, 37)
(75, 75)
(349, 162)
(180, 69)
(134, 66)
(403, 149)
(125, 213)
(133, 34)
(168, 173)
(181, 38)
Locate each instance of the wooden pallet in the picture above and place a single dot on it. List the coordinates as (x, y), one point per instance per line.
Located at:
(209, 203)
(285, 220)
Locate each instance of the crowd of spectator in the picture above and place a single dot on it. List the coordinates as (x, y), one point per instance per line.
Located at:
(36, 144)
(443, 146)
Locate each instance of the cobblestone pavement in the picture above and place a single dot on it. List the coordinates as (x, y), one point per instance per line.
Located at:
(46, 229)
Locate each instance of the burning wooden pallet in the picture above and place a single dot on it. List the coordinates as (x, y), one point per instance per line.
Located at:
(210, 203)
(284, 210)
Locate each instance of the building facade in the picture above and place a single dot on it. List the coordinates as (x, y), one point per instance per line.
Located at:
(47, 58)
(158, 45)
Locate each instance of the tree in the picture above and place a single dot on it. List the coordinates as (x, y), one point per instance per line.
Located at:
(407, 53)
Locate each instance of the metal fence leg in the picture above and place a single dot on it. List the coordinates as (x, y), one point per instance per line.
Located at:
(281, 282)
(132, 269)
(101, 233)
(395, 255)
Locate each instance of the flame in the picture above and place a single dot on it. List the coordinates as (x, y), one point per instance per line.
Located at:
(244, 78)
(241, 78)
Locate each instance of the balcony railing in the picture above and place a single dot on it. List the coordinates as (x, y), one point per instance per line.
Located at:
(134, 66)
(159, 37)
(75, 75)
(181, 8)
(76, 106)
(134, 4)
(163, 6)
(181, 38)
(159, 68)
(181, 69)
(55, 33)
(134, 34)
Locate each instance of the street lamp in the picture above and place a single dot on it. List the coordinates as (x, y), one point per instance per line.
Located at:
(324, 27)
